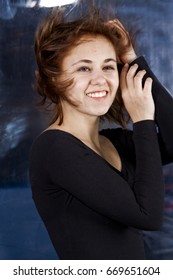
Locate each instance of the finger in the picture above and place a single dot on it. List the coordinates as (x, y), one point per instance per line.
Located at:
(148, 86)
(130, 76)
(132, 71)
(138, 81)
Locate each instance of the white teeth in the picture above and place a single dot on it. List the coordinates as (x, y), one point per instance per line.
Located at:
(97, 94)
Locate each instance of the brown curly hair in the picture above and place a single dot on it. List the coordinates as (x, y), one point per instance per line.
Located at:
(55, 37)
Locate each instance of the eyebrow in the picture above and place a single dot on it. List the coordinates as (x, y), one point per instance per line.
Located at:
(109, 60)
(90, 61)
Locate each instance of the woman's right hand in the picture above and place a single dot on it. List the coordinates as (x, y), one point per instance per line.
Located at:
(137, 99)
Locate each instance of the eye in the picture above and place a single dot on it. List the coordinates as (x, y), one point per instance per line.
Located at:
(83, 69)
(109, 68)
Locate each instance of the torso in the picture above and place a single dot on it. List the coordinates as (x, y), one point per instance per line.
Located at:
(108, 152)
(91, 174)
(105, 148)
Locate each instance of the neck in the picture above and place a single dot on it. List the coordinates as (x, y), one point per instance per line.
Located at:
(80, 124)
(86, 128)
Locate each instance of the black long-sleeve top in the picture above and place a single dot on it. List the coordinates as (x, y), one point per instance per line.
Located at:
(90, 209)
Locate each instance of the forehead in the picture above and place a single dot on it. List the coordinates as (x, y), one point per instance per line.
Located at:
(93, 38)
(91, 46)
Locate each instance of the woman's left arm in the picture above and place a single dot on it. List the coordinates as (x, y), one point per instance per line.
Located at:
(163, 112)
(162, 99)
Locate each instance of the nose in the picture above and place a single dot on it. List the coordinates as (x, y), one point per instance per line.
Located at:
(98, 79)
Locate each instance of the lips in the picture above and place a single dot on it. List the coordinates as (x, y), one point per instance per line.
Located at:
(97, 94)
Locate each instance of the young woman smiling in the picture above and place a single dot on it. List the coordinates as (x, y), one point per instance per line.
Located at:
(96, 190)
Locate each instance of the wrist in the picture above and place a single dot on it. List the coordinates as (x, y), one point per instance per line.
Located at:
(139, 119)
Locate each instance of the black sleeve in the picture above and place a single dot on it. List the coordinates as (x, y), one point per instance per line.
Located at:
(68, 165)
(163, 112)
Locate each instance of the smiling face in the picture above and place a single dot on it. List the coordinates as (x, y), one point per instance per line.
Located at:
(92, 66)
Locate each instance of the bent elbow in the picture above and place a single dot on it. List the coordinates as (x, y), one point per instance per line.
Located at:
(154, 224)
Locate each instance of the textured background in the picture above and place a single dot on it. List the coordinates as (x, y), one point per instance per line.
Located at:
(22, 234)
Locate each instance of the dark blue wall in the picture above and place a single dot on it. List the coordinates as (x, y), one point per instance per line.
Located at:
(22, 234)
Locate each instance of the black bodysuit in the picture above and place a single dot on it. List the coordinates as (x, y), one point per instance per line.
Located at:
(90, 209)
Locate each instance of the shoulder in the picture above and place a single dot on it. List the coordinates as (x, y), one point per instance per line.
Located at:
(53, 143)
(55, 137)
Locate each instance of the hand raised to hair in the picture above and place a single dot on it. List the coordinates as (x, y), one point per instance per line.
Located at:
(128, 54)
(138, 100)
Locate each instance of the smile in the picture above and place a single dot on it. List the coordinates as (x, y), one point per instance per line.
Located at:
(97, 94)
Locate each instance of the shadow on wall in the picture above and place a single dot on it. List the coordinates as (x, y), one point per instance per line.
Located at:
(22, 233)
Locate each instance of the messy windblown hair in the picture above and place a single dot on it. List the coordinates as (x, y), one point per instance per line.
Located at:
(55, 37)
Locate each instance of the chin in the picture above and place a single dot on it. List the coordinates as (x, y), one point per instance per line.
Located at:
(102, 112)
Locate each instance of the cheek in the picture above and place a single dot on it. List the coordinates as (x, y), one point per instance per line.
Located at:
(114, 81)
(74, 91)
(65, 83)
(68, 85)
(116, 78)
(78, 85)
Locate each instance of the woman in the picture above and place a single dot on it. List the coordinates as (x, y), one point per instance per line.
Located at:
(96, 190)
